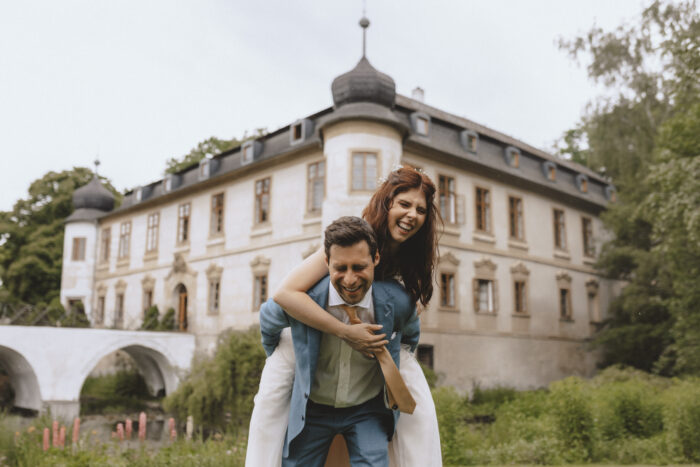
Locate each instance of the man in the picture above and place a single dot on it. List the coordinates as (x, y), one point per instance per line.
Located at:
(336, 389)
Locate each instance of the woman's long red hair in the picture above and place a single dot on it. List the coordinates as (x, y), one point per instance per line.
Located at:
(416, 258)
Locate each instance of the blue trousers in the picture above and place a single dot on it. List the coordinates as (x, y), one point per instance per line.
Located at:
(365, 428)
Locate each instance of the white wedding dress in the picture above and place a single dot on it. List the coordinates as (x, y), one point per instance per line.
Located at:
(416, 442)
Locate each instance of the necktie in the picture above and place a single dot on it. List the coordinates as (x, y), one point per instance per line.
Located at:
(398, 394)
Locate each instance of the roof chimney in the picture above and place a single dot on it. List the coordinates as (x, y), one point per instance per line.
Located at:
(418, 94)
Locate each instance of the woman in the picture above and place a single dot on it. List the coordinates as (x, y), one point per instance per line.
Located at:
(403, 214)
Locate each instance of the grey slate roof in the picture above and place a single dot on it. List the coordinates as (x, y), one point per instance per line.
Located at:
(364, 93)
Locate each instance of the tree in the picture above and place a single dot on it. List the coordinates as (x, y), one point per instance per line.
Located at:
(209, 148)
(31, 237)
(645, 136)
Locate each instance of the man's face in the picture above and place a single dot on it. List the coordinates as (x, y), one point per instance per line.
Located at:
(352, 270)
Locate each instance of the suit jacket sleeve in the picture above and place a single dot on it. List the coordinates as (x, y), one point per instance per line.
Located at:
(272, 320)
(410, 332)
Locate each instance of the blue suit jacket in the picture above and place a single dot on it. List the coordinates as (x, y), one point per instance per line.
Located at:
(392, 309)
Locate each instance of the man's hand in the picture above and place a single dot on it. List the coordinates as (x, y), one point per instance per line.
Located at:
(361, 337)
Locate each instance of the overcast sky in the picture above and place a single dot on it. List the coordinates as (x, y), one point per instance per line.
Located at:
(139, 81)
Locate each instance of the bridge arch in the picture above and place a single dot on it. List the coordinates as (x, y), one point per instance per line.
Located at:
(22, 379)
(152, 360)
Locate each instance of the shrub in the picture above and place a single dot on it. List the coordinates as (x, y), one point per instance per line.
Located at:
(571, 409)
(150, 318)
(683, 417)
(168, 321)
(451, 409)
(219, 391)
(493, 396)
(629, 409)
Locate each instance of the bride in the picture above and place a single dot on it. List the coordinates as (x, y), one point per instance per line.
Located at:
(403, 214)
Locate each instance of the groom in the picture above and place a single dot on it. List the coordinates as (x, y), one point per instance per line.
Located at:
(336, 389)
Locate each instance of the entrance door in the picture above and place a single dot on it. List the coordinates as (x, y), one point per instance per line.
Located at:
(182, 308)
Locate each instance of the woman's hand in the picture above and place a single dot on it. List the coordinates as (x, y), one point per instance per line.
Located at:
(362, 338)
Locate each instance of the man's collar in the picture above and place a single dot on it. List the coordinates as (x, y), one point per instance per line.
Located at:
(334, 298)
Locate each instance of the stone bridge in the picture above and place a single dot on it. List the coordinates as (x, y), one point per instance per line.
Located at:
(47, 366)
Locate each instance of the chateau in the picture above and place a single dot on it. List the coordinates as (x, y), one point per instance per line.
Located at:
(516, 298)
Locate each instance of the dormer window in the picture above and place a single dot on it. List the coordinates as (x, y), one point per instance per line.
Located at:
(610, 193)
(204, 168)
(512, 156)
(550, 171)
(138, 194)
(582, 183)
(421, 123)
(422, 126)
(168, 183)
(469, 140)
(247, 151)
(297, 132)
(300, 130)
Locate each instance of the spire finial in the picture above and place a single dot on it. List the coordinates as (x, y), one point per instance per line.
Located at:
(97, 164)
(364, 24)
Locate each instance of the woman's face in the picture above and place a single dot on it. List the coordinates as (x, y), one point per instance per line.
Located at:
(407, 214)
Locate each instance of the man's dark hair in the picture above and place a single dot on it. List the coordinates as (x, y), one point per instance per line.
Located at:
(347, 231)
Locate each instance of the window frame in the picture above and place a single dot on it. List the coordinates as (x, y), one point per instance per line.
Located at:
(262, 205)
(78, 251)
(559, 224)
(99, 316)
(450, 195)
(260, 289)
(311, 184)
(184, 212)
(482, 210)
(515, 215)
(152, 232)
(485, 271)
(105, 243)
(368, 183)
(216, 214)
(587, 237)
(448, 291)
(124, 250)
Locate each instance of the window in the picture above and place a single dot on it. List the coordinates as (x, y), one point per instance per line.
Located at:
(564, 286)
(214, 289)
(262, 200)
(424, 354)
(584, 185)
(447, 290)
(124, 239)
(217, 214)
(147, 299)
(552, 173)
(559, 230)
(152, 232)
(204, 168)
(520, 299)
(484, 299)
(484, 286)
(565, 304)
(483, 210)
(520, 275)
(119, 311)
(248, 151)
(78, 249)
(448, 199)
(100, 310)
(512, 156)
(471, 142)
(588, 245)
(183, 223)
(515, 218)
(297, 132)
(315, 186)
(364, 171)
(104, 244)
(259, 291)
(422, 126)
(593, 302)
